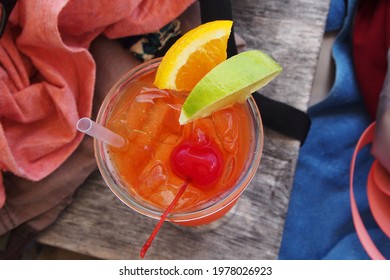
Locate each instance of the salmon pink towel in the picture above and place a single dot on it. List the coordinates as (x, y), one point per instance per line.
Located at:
(47, 75)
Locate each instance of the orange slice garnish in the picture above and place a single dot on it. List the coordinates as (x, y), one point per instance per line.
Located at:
(193, 56)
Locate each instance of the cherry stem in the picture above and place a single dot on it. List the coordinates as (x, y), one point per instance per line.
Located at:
(163, 218)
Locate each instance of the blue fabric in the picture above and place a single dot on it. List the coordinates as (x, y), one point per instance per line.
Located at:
(336, 15)
(319, 220)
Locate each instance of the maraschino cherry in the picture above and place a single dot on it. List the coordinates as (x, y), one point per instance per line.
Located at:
(197, 160)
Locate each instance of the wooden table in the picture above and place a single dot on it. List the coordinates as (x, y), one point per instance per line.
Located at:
(99, 225)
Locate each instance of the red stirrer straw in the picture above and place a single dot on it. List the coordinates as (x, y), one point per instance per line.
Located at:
(162, 219)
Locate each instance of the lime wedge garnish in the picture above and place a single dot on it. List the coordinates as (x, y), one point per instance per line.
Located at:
(232, 81)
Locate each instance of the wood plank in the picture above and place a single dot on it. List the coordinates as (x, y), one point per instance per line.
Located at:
(291, 32)
(98, 224)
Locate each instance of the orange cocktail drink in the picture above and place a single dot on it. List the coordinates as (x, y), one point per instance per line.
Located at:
(142, 174)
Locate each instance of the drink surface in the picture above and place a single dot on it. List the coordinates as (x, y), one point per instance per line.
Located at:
(148, 118)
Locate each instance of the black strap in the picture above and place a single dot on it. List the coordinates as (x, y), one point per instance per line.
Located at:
(276, 115)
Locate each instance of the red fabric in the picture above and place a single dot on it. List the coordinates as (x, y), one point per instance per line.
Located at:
(47, 74)
(371, 40)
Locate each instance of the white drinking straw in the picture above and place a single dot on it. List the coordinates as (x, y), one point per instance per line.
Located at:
(99, 132)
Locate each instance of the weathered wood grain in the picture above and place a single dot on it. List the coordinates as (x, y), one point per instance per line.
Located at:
(98, 224)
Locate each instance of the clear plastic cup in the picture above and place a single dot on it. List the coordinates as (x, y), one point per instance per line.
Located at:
(206, 213)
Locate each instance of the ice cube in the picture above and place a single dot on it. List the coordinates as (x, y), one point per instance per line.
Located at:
(147, 95)
(226, 125)
(152, 179)
(168, 192)
(188, 199)
(154, 114)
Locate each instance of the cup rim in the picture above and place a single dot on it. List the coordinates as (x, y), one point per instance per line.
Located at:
(232, 194)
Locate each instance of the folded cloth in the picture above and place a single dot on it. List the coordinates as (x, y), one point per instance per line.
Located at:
(381, 145)
(47, 74)
(319, 222)
(371, 41)
(32, 206)
(371, 54)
